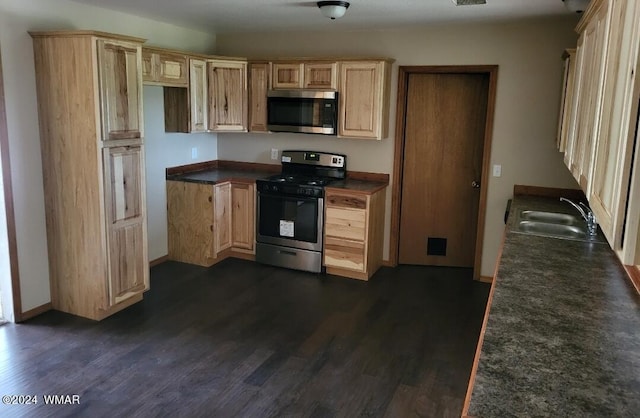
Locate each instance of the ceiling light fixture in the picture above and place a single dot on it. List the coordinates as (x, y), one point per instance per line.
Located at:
(577, 6)
(333, 9)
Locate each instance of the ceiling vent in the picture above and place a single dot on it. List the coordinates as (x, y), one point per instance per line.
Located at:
(468, 2)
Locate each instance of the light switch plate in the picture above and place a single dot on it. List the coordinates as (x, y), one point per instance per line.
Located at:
(194, 153)
(274, 154)
(497, 170)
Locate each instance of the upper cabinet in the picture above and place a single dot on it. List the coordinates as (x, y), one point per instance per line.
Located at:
(566, 102)
(364, 99)
(228, 101)
(165, 68)
(198, 95)
(305, 74)
(259, 76)
(120, 89)
(601, 120)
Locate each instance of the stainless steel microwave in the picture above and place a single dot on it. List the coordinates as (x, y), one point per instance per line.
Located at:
(306, 111)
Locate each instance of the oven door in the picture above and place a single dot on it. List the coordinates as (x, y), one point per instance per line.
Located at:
(290, 221)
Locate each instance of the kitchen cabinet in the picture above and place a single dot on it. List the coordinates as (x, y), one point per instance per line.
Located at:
(93, 169)
(354, 229)
(258, 88)
(190, 223)
(227, 105)
(591, 53)
(164, 68)
(243, 217)
(364, 99)
(617, 129)
(198, 95)
(120, 89)
(222, 217)
(566, 101)
(124, 200)
(308, 75)
(207, 223)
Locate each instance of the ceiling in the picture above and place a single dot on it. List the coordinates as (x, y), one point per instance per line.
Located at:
(229, 16)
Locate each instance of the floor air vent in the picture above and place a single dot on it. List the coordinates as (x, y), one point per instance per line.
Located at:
(436, 246)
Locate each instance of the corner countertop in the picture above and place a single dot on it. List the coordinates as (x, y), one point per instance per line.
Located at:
(213, 172)
(562, 336)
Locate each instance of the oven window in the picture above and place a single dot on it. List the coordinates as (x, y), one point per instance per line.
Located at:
(295, 111)
(288, 217)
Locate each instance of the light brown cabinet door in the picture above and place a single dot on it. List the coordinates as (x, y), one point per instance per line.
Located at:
(120, 77)
(190, 222)
(148, 66)
(258, 87)
(361, 100)
(321, 76)
(287, 75)
(172, 70)
(198, 95)
(243, 216)
(125, 208)
(227, 95)
(222, 228)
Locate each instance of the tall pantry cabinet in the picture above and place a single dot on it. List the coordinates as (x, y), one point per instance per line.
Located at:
(89, 87)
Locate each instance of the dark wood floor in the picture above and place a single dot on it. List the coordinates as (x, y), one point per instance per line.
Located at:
(246, 340)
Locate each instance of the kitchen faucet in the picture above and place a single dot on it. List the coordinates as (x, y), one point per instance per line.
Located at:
(587, 214)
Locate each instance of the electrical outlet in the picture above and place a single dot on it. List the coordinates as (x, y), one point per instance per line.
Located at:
(274, 154)
(194, 153)
(497, 170)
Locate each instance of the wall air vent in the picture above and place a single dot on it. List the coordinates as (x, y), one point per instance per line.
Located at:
(468, 2)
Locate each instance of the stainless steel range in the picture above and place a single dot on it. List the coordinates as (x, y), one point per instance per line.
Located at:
(290, 209)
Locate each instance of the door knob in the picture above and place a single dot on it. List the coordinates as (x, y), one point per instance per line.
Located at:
(475, 184)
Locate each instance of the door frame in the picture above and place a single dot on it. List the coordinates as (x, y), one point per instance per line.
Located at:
(398, 160)
(8, 203)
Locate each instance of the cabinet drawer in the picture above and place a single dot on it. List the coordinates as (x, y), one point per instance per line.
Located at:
(346, 223)
(344, 201)
(344, 254)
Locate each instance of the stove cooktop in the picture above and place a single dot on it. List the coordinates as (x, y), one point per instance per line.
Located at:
(300, 180)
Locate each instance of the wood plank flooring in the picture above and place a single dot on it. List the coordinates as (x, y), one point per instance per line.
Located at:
(241, 339)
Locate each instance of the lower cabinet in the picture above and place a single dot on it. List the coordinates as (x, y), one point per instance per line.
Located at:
(207, 223)
(354, 233)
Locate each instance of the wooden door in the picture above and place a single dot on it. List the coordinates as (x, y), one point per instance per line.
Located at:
(120, 75)
(243, 216)
(222, 217)
(125, 204)
(198, 95)
(258, 87)
(227, 96)
(444, 139)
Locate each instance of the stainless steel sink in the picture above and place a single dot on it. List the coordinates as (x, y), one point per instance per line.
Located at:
(555, 225)
(549, 217)
(556, 230)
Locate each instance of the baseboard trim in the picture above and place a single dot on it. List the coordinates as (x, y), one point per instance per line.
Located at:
(485, 279)
(634, 276)
(157, 261)
(38, 310)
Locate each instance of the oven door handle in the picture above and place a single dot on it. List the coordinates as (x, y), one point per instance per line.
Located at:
(289, 196)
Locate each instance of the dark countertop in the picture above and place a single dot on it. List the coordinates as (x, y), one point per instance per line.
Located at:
(563, 333)
(221, 174)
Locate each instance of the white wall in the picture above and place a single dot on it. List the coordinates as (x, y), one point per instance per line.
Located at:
(529, 57)
(164, 150)
(16, 18)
